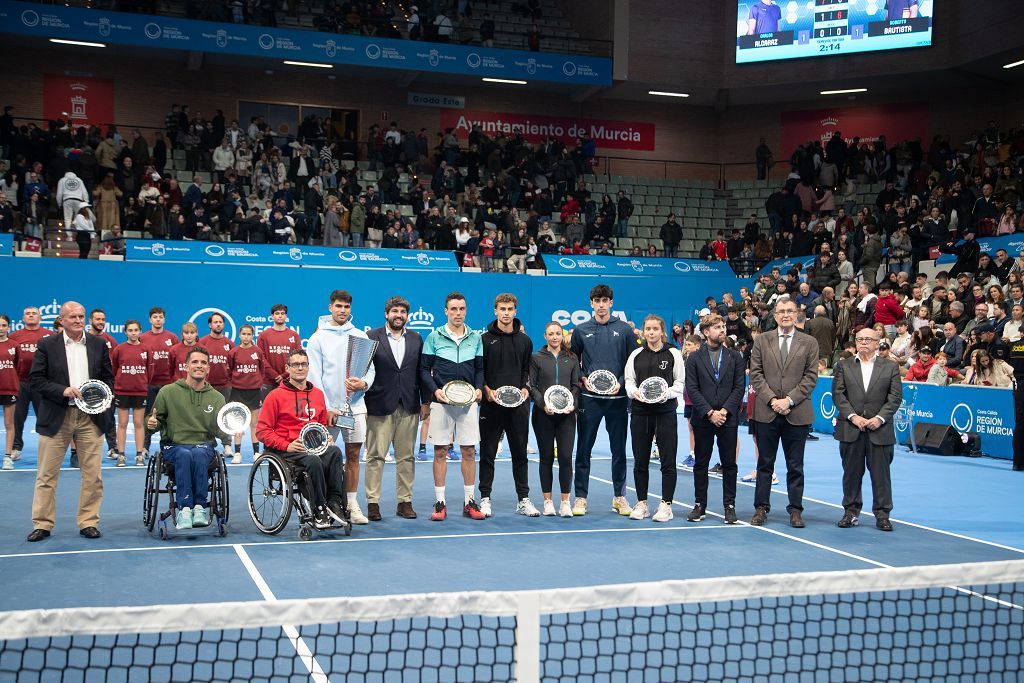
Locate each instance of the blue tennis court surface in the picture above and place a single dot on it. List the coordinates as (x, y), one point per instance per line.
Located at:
(948, 510)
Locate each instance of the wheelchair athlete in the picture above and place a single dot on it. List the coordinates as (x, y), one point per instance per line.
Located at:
(185, 414)
(285, 411)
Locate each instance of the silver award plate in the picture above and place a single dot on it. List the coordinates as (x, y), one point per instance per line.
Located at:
(234, 418)
(602, 382)
(315, 438)
(358, 356)
(96, 397)
(653, 390)
(459, 393)
(508, 396)
(558, 399)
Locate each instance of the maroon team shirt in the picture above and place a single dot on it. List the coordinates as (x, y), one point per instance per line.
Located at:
(179, 368)
(275, 346)
(219, 349)
(132, 369)
(10, 384)
(27, 341)
(246, 367)
(110, 341)
(160, 345)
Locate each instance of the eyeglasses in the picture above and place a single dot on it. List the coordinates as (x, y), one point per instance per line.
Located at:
(298, 365)
(867, 340)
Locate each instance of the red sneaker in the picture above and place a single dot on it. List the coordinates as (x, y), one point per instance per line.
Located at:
(472, 510)
(439, 512)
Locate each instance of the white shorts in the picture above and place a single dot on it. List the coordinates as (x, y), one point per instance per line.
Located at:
(454, 425)
(357, 435)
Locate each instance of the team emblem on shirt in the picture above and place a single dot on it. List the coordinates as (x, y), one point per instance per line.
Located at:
(664, 365)
(209, 409)
(168, 342)
(255, 356)
(11, 351)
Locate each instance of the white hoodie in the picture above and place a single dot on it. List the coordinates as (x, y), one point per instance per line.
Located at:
(328, 350)
(71, 187)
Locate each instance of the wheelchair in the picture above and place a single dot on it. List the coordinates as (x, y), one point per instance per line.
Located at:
(160, 480)
(276, 486)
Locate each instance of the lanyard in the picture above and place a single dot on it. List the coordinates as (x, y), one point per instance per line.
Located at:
(717, 368)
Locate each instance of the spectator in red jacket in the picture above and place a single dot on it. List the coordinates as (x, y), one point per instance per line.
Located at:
(918, 372)
(888, 309)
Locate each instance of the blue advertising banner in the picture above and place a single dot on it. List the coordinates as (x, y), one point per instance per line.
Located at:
(1013, 244)
(634, 267)
(784, 264)
(985, 411)
(288, 255)
(149, 31)
(6, 244)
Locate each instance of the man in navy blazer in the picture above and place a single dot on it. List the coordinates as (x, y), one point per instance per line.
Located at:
(63, 362)
(394, 408)
(715, 381)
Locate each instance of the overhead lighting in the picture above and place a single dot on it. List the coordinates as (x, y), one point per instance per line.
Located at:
(663, 93)
(1013, 64)
(315, 65)
(80, 43)
(848, 91)
(503, 80)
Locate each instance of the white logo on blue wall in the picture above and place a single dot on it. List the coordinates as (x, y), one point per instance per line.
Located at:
(331, 48)
(962, 417)
(531, 66)
(152, 31)
(104, 26)
(421, 320)
(159, 249)
(569, 68)
(29, 18)
(266, 41)
(636, 265)
(434, 58)
(215, 250)
(295, 254)
(681, 266)
(373, 51)
(567, 263)
(222, 38)
(203, 313)
(901, 420)
(473, 60)
(345, 255)
(423, 259)
(828, 408)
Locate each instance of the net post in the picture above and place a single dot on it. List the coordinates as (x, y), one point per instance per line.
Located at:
(528, 638)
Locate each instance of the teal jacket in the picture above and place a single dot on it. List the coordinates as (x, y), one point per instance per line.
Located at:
(445, 360)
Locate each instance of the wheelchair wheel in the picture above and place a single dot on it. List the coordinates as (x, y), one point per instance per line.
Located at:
(151, 496)
(270, 494)
(219, 493)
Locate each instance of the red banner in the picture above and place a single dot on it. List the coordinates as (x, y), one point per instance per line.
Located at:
(606, 134)
(80, 101)
(896, 122)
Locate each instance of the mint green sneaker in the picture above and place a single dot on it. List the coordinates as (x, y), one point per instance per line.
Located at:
(199, 516)
(184, 520)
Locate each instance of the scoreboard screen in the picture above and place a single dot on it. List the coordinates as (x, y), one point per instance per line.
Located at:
(767, 30)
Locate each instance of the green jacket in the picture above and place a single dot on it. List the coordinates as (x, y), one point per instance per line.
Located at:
(357, 222)
(186, 416)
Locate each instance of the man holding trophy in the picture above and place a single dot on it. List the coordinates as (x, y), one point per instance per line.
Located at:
(452, 368)
(71, 374)
(340, 365)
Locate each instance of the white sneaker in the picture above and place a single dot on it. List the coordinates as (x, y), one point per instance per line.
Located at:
(229, 453)
(750, 477)
(527, 508)
(549, 508)
(112, 454)
(639, 510)
(140, 461)
(15, 455)
(579, 508)
(501, 447)
(121, 461)
(654, 452)
(664, 512)
(9, 465)
(389, 458)
(621, 506)
(355, 515)
(775, 479)
(236, 459)
(565, 510)
(531, 450)
(485, 506)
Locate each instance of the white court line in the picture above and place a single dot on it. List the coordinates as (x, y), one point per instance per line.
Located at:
(308, 660)
(484, 534)
(894, 519)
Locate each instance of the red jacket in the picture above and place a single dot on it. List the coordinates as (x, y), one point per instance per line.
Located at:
(918, 372)
(286, 410)
(888, 310)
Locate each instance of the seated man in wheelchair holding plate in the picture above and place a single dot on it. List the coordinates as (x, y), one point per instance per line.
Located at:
(290, 426)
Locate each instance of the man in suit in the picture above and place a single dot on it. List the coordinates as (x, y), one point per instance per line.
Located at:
(867, 392)
(783, 373)
(63, 362)
(715, 381)
(394, 408)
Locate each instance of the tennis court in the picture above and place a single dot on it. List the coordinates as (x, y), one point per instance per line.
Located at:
(471, 609)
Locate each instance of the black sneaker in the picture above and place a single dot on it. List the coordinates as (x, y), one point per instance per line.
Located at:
(322, 519)
(849, 520)
(696, 514)
(717, 469)
(812, 437)
(335, 512)
(760, 517)
(74, 458)
(730, 514)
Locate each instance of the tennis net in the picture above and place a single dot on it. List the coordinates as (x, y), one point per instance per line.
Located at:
(948, 622)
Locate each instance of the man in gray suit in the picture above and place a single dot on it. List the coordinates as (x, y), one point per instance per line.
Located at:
(867, 392)
(783, 373)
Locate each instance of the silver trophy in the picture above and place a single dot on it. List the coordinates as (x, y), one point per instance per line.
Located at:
(459, 393)
(653, 390)
(602, 382)
(508, 396)
(315, 438)
(559, 399)
(234, 418)
(96, 397)
(357, 363)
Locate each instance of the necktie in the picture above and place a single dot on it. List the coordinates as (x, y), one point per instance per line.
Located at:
(785, 348)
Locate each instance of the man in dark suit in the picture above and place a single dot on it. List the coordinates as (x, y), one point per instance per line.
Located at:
(715, 380)
(393, 408)
(783, 373)
(63, 362)
(867, 392)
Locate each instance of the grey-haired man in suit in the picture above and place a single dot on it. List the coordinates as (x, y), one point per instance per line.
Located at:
(783, 373)
(867, 392)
